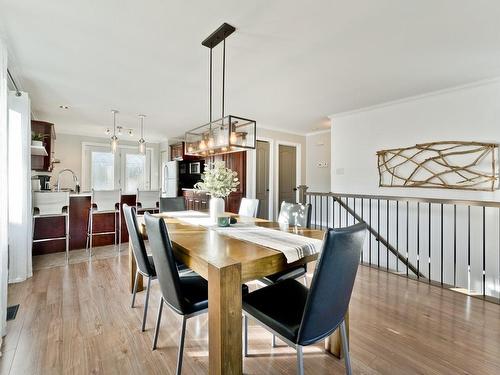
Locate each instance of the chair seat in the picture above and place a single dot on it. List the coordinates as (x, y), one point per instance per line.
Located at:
(291, 273)
(195, 291)
(280, 306)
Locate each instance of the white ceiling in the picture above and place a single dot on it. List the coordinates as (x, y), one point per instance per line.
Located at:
(289, 64)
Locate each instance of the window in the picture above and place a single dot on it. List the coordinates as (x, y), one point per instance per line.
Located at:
(127, 169)
(102, 170)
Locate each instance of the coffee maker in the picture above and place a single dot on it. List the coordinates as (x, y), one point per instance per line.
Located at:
(44, 182)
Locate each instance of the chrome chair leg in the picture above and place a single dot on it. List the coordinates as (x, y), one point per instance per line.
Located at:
(136, 281)
(67, 238)
(300, 360)
(181, 346)
(345, 348)
(114, 227)
(119, 228)
(146, 306)
(245, 335)
(273, 342)
(88, 228)
(158, 321)
(91, 233)
(305, 280)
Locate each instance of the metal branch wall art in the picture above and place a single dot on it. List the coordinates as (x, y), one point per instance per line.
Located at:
(448, 165)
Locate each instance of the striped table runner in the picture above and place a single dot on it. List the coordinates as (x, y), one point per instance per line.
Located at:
(293, 246)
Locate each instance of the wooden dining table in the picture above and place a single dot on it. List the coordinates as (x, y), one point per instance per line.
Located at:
(226, 263)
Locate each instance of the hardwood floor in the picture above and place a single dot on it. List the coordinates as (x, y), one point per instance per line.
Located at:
(77, 320)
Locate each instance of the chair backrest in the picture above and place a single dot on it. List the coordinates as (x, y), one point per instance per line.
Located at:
(295, 214)
(138, 247)
(163, 257)
(172, 204)
(249, 207)
(53, 203)
(332, 283)
(147, 199)
(106, 200)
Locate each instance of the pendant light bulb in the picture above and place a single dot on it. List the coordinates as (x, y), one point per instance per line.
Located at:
(210, 142)
(114, 138)
(142, 141)
(114, 143)
(203, 146)
(233, 137)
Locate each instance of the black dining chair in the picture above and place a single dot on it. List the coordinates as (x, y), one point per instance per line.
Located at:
(187, 296)
(145, 263)
(302, 316)
(298, 215)
(172, 204)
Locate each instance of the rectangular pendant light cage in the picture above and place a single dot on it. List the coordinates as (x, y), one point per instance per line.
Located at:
(227, 134)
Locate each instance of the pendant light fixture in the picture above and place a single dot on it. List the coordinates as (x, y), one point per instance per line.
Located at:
(114, 138)
(229, 133)
(142, 141)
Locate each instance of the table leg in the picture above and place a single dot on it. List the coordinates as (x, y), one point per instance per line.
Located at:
(132, 267)
(333, 344)
(224, 320)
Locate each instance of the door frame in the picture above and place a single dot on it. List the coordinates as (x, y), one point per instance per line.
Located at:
(298, 176)
(253, 179)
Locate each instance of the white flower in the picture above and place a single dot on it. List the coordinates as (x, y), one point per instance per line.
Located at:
(218, 180)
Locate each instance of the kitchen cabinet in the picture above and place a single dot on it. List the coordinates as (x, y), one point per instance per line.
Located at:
(177, 151)
(42, 162)
(236, 161)
(79, 205)
(195, 200)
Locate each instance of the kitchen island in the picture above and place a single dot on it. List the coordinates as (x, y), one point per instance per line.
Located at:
(79, 205)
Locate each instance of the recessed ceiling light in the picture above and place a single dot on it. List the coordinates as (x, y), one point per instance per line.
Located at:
(64, 106)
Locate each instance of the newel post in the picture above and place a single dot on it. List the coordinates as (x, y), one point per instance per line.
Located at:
(302, 193)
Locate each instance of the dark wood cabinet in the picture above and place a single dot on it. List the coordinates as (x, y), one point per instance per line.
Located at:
(195, 200)
(38, 162)
(177, 151)
(51, 227)
(236, 161)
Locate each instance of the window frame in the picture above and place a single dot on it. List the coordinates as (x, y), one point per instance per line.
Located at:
(119, 167)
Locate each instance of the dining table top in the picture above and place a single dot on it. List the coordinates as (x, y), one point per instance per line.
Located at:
(201, 245)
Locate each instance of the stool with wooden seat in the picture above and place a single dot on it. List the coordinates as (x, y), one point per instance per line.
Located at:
(104, 202)
(52, 204)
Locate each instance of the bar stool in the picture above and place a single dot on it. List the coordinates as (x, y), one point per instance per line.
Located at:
(147, 200)
(52, 204)
(104, 202)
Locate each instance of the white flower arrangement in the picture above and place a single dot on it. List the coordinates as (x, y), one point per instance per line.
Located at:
(218, 181)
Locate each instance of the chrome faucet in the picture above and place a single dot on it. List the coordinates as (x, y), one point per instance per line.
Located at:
(75, 179)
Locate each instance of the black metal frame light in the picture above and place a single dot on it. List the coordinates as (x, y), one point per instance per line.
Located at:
(229, 133)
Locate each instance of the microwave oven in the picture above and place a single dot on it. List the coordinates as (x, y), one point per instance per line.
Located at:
(195, 168)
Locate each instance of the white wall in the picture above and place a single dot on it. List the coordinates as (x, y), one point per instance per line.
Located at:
(465, 114)
(469, 113)
(68, 149)
(318, 156)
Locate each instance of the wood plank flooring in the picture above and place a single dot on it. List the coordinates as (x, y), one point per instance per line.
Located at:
(77, 319)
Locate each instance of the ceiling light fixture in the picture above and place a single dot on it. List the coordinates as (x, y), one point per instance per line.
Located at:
(229, 133)
(142, 141)
(114, 138)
